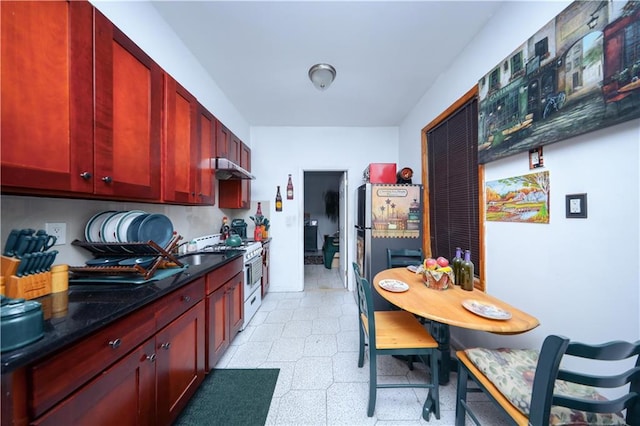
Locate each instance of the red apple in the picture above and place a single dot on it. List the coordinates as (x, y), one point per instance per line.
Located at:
(430, 264)
(442, 262)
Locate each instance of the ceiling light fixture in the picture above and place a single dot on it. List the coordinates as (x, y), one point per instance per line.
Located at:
(322, 75)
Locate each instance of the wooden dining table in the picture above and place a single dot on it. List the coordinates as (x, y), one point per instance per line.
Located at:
(445, 308)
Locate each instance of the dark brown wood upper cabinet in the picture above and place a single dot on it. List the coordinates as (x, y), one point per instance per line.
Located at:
(46, 79)
(128, 113)
(181, 143)
(205, 187)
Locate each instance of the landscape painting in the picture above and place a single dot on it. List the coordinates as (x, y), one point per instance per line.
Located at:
(518, 199)
(579, 73)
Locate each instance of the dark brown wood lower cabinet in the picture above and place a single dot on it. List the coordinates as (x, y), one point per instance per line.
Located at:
(126, 393)
(179, 363)
(225, 317)
(122, 395)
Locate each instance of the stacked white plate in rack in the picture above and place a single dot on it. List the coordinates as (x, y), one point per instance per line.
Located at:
(129, 226)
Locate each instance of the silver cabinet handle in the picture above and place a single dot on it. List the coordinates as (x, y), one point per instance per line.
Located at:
(151, 358)
(186, 298)
(107, 179)
(115, 343)
(85, 175)
(166, 346)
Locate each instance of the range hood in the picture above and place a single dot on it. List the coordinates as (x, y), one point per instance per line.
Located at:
(227, 170)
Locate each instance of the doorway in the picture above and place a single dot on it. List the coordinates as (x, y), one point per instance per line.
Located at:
(325, 214)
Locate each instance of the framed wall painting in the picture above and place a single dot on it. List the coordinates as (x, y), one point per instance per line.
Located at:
(579, 73)
(518, 199)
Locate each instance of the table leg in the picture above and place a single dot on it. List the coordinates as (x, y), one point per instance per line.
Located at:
(440, 333)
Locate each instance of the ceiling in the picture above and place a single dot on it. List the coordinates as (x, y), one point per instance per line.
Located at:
(386, 53)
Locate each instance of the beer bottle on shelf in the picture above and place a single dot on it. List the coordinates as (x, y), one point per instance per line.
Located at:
(466, 272)
(278, 200)
(456, 263)
(289, 189)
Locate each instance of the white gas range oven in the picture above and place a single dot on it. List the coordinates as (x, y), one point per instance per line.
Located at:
(252, 257)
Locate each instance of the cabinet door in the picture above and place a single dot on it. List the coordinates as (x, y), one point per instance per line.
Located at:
(180, 362)
(46, 81)
(236, 304)
(234, 149)
(181, 143)
(236, 193)
(245, 162)
(217, 326)
(128, 116)
(223, 140)
(124, 394)
(205, 188)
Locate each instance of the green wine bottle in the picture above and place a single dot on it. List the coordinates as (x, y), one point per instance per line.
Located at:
(466, 272)
(456, 263)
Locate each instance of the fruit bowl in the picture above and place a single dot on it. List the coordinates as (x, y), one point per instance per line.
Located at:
(438, 279)
(436, 273)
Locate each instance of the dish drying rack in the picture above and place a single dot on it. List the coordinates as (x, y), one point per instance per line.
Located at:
(163, 257)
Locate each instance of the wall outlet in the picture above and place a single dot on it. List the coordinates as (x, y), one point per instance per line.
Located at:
(58, 230)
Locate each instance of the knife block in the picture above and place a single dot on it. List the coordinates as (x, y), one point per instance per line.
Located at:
(9, 266)
(29, 286)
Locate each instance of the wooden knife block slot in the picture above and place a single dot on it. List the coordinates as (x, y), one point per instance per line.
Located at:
(9, 266)
(28, 287)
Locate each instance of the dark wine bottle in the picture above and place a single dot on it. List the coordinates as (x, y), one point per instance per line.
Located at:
(456, 263)
(289, 189)
(278, 201)
(259, 209)
(466, 272)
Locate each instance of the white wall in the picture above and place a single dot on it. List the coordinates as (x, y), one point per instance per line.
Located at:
(278, 151)
(579, 277)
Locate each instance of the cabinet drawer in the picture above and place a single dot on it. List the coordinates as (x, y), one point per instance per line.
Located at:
(178, 302)
(57, 377)
(221, 275)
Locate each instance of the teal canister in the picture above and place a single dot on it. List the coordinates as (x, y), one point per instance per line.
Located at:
(21, 323)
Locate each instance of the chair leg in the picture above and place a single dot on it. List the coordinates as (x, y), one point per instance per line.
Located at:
(361, 350)
(435, 379)
(432, 403)
(461, 396)
(373, 382)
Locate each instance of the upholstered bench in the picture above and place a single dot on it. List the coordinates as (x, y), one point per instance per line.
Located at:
(507, 376)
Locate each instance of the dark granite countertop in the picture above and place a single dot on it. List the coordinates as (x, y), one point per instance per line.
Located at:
(90, 307)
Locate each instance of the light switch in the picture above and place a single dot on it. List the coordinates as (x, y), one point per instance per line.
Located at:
(574, 205)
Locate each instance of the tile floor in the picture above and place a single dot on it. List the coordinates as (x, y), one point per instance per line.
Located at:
(312, 337)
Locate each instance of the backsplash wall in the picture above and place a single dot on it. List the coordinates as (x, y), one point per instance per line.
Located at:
(34, 212)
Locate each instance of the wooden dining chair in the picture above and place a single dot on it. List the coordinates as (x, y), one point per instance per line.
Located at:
(531, 388)
(394, 333)
(403, 257)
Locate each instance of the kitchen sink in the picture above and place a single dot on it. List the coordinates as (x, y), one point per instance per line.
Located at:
(199, 258)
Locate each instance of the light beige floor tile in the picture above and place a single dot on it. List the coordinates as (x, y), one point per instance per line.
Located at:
(312, 337)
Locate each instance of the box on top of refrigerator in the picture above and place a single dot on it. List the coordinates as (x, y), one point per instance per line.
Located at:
(380, 173)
